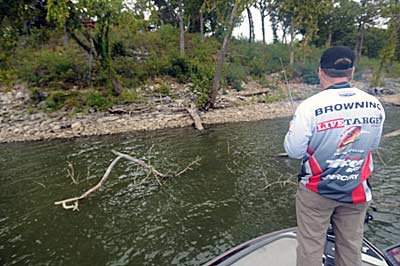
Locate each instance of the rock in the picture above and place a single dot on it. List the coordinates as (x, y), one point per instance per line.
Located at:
(65, 125)
(21, 95)
(56, 127)
(37, 116)
(376, 90)
(42, 105)
(76, 126)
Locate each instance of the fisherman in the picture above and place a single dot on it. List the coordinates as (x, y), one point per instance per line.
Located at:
(334, 132)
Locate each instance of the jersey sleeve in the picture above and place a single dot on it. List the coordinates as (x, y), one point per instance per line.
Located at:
(378, 136)
(299, 134)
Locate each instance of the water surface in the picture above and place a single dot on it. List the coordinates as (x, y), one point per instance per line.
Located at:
(188, 221)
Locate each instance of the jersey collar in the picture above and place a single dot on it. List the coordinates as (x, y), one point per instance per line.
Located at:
(340, 85)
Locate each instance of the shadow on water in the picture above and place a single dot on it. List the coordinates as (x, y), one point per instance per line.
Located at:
(191, 219)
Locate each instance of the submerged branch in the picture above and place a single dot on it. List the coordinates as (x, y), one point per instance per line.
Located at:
(393, 133)
(281, 183)
(73, 203)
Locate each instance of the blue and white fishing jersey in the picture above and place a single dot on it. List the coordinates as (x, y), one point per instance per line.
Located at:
(334, 132)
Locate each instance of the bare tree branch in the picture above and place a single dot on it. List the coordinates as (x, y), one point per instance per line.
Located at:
(73, 203)
(281, 183)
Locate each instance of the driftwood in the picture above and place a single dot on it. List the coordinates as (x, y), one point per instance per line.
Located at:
(130, 110)
(73, 203)
(248, 93)
(392, 134)
(192, 110)
(281, 155)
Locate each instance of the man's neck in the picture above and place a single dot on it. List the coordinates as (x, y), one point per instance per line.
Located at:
(332, 82)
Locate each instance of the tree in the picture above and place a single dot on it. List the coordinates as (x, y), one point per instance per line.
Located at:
(173, 12)
(262, 6)
(303, 15)
(23, 14)
(237, 9)
(252, 36)
(181, 29)
(368, 12)
(88, 23)
(338, 26)
(391, 11)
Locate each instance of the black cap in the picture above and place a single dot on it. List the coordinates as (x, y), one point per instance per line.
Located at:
(337, 57)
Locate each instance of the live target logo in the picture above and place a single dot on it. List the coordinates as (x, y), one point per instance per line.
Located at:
(331, 124)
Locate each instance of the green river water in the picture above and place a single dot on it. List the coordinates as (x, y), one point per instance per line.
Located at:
(188, 221)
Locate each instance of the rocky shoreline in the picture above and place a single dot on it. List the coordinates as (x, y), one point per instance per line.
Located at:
(21, 126)
(18, 122)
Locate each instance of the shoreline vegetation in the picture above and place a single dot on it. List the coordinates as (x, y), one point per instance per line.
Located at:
(83, 68)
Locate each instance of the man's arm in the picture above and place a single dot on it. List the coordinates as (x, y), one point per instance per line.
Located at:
(377, 139)
(299, 134)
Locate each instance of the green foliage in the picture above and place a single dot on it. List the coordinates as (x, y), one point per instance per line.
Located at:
(259, 59)
(365, 64)
(179, 68)
(96, 99)
(308, 69)
(49, 67)
(274, 97)
(131, 50)
(164, 89)
(128, 96)
(202, 81)
(63, 99)
(235, 74)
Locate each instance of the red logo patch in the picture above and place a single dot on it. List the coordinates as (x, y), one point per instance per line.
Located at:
(330, 124)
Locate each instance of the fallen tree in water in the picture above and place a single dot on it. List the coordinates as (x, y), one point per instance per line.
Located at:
(73, 203)
(393, 133)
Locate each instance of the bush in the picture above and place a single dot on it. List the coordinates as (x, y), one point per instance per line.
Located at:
(97, 100)
(63, 99)
(234, 76)
(270, 98)
(164, 90)
(179, 68)
(128, 97)
(55, 67)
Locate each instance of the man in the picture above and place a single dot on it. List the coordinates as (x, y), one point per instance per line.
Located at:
(334, 132)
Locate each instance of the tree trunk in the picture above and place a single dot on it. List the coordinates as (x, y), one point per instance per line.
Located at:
(360, 46)
(360, 40)
(329, 40)
(218, 72)
(263, 25)
(360, 30)
(251, 25)
(274, 26)
(182, 30)
(291, 44)
(65, 43)
(202, 25)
